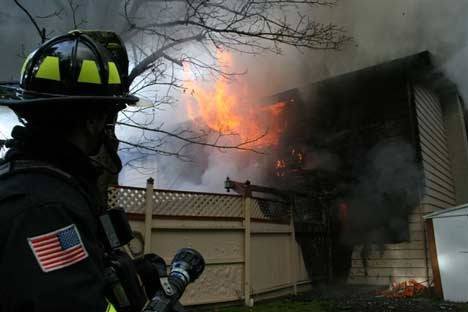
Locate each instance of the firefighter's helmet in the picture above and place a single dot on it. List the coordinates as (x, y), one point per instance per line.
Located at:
(81, 66)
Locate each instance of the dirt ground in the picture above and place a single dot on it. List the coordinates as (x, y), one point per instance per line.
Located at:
(346, 298)
(365, 298)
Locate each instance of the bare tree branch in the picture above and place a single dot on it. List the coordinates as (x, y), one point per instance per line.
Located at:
(145, 64)
(199, 139)
(31, 18)
(74, 8)
(155, 150)
(162, 36)
(244, 25)
(56, 13)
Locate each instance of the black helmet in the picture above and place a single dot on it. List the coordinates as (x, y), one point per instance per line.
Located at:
(81, 66)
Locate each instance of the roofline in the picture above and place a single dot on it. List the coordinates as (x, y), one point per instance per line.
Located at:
(408, 62)
(443, 211)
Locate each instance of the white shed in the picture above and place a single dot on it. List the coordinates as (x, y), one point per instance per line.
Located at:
(447, 234)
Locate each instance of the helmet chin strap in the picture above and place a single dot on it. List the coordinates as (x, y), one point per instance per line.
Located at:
(107, 157)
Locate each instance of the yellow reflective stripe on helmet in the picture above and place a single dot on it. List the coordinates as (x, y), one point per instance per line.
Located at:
(89, 72)
(49, 68)
(114, 76)
(110, 307)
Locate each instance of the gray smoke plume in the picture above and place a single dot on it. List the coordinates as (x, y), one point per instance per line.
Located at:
(390, 183)
(381, 31)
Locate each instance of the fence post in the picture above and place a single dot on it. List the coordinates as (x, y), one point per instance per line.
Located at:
(293, 248)
(149, 204)
(247, 257)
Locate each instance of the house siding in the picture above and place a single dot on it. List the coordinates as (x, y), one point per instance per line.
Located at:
(439, 186)
(393, 263)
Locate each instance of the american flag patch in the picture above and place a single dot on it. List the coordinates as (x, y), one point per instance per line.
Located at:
(58, 249)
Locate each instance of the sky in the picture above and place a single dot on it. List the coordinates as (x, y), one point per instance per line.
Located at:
(382, 30)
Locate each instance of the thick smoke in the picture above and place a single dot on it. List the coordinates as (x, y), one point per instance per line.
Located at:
(381, 31)
(389, 182)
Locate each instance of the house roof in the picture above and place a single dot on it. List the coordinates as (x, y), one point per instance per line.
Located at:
(461, 210)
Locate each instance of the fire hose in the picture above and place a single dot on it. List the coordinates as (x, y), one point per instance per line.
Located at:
(123, 274)
(186, 267)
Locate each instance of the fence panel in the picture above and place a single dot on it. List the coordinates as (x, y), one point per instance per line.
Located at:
(248, 244)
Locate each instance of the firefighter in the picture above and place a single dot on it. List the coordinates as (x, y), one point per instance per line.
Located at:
(51, 255)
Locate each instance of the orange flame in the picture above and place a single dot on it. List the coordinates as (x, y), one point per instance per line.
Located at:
(223, 108)
(280, 164)
(297, 156)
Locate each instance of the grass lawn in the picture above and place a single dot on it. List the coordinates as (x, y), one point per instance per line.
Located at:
(281, 306)
(410, 305)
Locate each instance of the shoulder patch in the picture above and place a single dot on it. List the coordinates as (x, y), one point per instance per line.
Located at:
(58, 249)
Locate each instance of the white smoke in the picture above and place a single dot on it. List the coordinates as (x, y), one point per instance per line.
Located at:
(381, 30)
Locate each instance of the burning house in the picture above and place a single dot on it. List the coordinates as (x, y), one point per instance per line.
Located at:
(375, 150)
